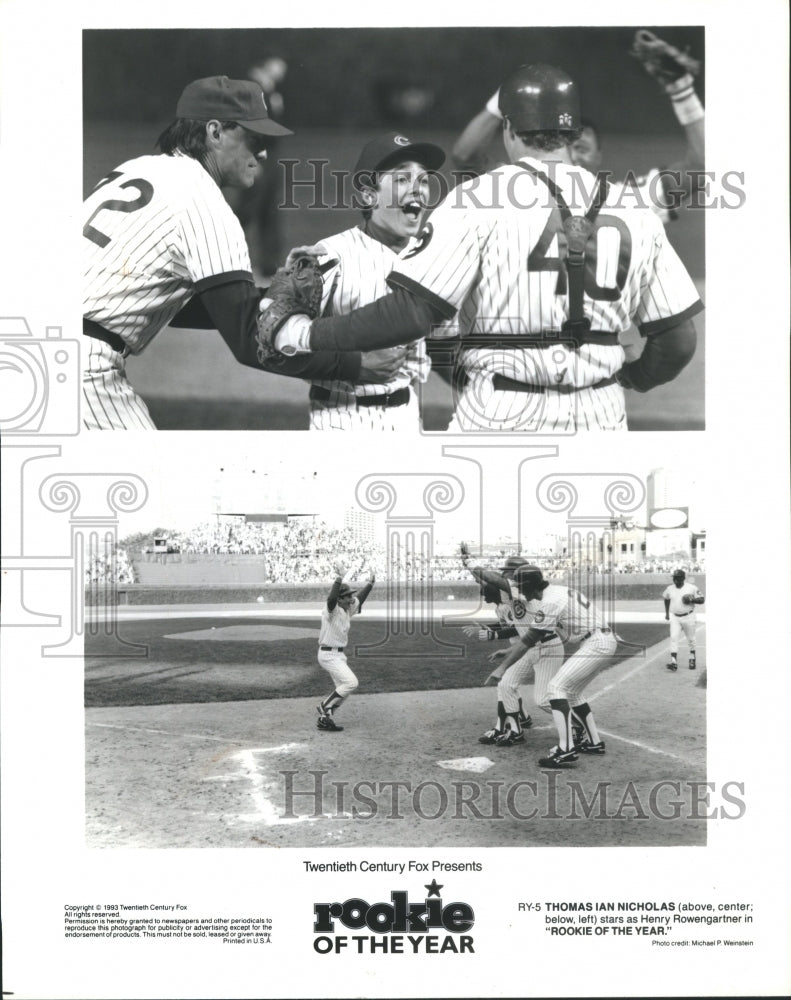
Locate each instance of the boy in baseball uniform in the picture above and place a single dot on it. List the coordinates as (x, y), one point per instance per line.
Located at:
(681, 600)
(336, 619)
(392, 175)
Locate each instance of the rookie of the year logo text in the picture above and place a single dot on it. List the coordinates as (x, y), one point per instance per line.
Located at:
(398, 926)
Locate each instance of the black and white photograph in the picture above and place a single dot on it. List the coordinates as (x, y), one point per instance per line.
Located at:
(467, 702)
(372, 672)
(371, 157)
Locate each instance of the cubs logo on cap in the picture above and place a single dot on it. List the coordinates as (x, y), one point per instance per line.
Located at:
(391, 148)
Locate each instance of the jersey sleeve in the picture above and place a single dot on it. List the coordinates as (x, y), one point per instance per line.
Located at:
(666, 594)
(668, 294)
(445, 264)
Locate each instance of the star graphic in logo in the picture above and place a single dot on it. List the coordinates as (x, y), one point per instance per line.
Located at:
(433, 888)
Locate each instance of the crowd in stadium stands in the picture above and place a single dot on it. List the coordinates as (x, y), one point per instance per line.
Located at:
(307, 550)
(109, 568)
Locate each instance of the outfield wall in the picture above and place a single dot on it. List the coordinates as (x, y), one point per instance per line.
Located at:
(628, 587)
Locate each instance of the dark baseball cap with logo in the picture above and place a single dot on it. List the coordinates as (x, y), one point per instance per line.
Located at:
(387, 150)
(240, 101)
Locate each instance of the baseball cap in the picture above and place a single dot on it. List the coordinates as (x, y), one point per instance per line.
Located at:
(393, 147)
(240, 101)
(346, 591)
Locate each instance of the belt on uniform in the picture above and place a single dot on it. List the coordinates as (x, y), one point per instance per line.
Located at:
(504, 384)
(682, 614)
(548, 638)
(91, 329)
(398, 398)
(606, 631)
(332, 649)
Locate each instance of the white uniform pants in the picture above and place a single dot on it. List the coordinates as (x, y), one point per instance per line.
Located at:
(686, 626)
(343, 414)
(481, 407)
(593, 655)
(109, 403)
(544, 659)
(343, 679)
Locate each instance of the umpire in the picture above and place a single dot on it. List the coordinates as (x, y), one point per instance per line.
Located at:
(159, 236)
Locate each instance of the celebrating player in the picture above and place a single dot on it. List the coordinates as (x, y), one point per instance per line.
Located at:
(158, 233)
(661, 190)
(333, 637)
(392, 176)
(496, 590)
(539, 294)
(681, 600)
(553, 609)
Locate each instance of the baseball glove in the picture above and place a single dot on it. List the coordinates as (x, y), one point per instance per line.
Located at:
(687, 599)
(295, 290)
(662, 60)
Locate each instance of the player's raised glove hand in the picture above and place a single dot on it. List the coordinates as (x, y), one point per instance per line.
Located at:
(382, 366)
(295, 290)
(687, 599)
(661, 60)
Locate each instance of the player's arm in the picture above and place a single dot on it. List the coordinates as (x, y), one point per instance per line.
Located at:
(698, 598)
(335, 589)
(675, 72)
(667, 609)
(470, 149)
(665, 355)
(364, 591)
(232, 308)
(390, 321)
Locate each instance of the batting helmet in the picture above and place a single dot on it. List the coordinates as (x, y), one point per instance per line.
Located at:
(529, 578)
(540, 98)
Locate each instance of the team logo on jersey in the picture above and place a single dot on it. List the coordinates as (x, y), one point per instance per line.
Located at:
(520, 609)
(422, 241)
(538, 617)
(564, 119)
(401, 140)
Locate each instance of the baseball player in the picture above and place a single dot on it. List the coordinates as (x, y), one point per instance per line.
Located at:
(660, 190)
(539, 294)
(563, 610)
(496, 590)
(681, 600)
(391, 173)
(333, 636)
(158, 233)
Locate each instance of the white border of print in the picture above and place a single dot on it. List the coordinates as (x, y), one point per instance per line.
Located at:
(743, 453)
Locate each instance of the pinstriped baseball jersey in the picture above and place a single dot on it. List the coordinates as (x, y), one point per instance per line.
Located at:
(676, 594)
(157, 230)
(496, 258)
(647, 189)
(359, 278)
(567, 611)
(334, 630)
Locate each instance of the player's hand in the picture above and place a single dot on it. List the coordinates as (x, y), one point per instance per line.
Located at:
(498, 654)
(371, 575)
(667, 618)
(464, 552)
(339, 569)
(381, 366)
(472, 630)
(491, 677)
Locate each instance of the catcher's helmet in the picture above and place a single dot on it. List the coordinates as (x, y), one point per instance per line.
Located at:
(540, 98)
(529, 578)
